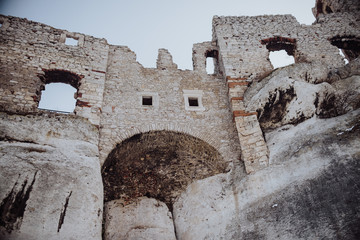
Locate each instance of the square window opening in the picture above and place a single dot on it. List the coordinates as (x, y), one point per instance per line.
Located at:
(147, 101)
(193, 102)
(71, 41)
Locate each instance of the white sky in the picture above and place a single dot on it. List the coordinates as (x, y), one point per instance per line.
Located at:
(147, 25)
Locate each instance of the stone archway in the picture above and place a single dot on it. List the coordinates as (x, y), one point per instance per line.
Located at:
(158, 164)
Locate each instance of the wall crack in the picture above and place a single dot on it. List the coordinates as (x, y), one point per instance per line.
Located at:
(63, 212)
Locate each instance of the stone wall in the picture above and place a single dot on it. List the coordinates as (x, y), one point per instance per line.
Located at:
(124, 114)
(29, 49)
(184, 138)
(337, 6)
(244, 42)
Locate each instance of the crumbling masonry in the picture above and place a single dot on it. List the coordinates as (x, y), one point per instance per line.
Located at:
(154, 131)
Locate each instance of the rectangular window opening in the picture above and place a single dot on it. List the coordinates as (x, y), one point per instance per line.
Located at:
(71, 41)
(147, 101)
(210, 65)
(193, 102)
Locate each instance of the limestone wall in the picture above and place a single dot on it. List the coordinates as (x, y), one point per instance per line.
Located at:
(124, 114)
(50, 164)
(50, 182)
(28, 49)
(337, 6)
(244, 42)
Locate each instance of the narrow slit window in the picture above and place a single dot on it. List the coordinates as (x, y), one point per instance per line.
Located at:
(71, 41)
(147, 101)
(193, 102)
(210, 65)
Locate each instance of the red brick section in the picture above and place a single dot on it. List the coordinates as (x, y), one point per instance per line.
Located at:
(228, 78)
(237, 99)
(242, 114)
(82, 104)
(98, 71)
(278, 39)
(234, 84)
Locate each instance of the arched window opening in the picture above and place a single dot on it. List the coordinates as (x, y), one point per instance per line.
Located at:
(212, 62)
(59, 91)
(349, 46)
(59, 97)
(282, 50)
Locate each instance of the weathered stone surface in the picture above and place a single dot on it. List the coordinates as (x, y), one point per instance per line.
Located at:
(50, 178)
(347, 94)
(145, 219)
(301, 183)
(308, 191)
(287, 101)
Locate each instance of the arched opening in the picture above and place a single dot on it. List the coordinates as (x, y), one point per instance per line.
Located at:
(348, 45)
(158, 164)
(281, 59)
(282, 50)
(59, 91)
(58, 97)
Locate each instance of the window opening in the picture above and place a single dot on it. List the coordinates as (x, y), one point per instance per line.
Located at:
(349, 45)
(60, 90)
(280, 59)
(193, 102)
(210, 69)
(282, 50)
(58, 97)
(1, 24)
(71, 41)
(147, 101)
(211, 62)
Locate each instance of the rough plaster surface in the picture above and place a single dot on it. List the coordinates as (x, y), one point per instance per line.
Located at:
(145, 219)
(50, 178)
(308, 191)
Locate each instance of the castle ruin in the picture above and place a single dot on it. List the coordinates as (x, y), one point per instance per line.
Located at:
(248, 152)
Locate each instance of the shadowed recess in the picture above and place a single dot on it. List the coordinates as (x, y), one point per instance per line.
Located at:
(158, 164)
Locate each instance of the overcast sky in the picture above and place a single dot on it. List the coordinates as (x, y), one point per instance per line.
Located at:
(147, 25)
